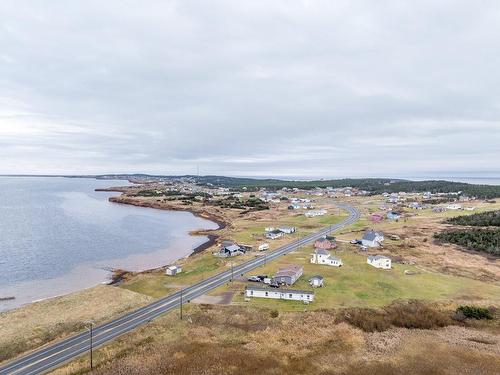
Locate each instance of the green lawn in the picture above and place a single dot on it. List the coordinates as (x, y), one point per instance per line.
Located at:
(359, 284)
(201, 266)
(157, 284)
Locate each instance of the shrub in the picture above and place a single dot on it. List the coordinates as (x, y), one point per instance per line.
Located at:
(475, 312)
(416, 314)
(274, 313)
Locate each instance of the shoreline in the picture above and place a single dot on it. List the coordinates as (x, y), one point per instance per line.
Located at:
(120, 275)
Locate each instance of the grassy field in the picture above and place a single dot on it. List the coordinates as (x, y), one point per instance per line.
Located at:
(156, 284)
(245, 340)
(359, 284)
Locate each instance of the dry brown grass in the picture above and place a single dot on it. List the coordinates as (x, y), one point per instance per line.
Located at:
(406, 314)
(33, 325)
(242, 340)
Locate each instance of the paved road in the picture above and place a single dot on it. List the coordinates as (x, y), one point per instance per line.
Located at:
(50, 357)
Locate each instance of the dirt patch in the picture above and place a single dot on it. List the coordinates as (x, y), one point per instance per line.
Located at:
(221, 299)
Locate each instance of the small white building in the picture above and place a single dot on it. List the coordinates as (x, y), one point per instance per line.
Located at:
(315, 213)
(274, 234)
(173, 270)
(322, 256)
(263, 247)
(454, 206)
(379, 261)
(275, 293)
(316, 281)
(288, 230)
(372, 239)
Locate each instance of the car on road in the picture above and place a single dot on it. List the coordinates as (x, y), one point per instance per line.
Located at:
(255, 279)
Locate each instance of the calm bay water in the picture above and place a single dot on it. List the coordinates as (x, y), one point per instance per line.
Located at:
(58, 235)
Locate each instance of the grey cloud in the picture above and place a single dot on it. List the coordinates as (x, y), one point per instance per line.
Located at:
(315, 88)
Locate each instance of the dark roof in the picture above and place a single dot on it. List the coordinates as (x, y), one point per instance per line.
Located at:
(371, 235)
(290, 270)
(232, 248)
(377, 257)
(322, 252)
(253, 287)
(319, 277)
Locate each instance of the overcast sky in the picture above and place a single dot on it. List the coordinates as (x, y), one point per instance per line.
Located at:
(256, 88)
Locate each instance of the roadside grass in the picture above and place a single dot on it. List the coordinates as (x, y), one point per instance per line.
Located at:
(157, 284)
(241, 340)
(357, 284)
(36, 324)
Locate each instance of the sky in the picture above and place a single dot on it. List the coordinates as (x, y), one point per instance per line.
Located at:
(250, 88)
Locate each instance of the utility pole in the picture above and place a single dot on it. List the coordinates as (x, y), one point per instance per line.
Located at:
(90, 327)
(181, 304)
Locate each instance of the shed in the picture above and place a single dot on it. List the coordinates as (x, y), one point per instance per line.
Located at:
(173, 270)
(316, 281)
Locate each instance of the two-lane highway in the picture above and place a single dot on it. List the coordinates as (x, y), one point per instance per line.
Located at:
(52, 356)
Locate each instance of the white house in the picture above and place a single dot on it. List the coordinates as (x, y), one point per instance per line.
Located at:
(288, 230)
(372, 239)
(454, 207)
(287, 294)
(379, 261)
(173, 270)
(274, 234)
(322, 256)
(263, 247)
(315, 213)
(316, 281)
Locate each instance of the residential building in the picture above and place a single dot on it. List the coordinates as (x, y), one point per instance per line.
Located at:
(230, 251)
(393, 216)
(324, 243)
(322, 256)
(286, 294)
(274, 234)
(288, 275)
(379, 261)
(376, 218)
(288, 230)
(315, 213)
(372, 239)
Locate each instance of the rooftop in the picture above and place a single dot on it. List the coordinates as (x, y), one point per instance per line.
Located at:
(294, 291)
(377, 257)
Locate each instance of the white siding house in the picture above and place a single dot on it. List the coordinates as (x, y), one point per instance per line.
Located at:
(379, 261)
(287, 294)
(322, 256)
(372, 239)
(275, 234)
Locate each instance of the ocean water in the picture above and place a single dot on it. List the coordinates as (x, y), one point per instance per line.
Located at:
(58, 235)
